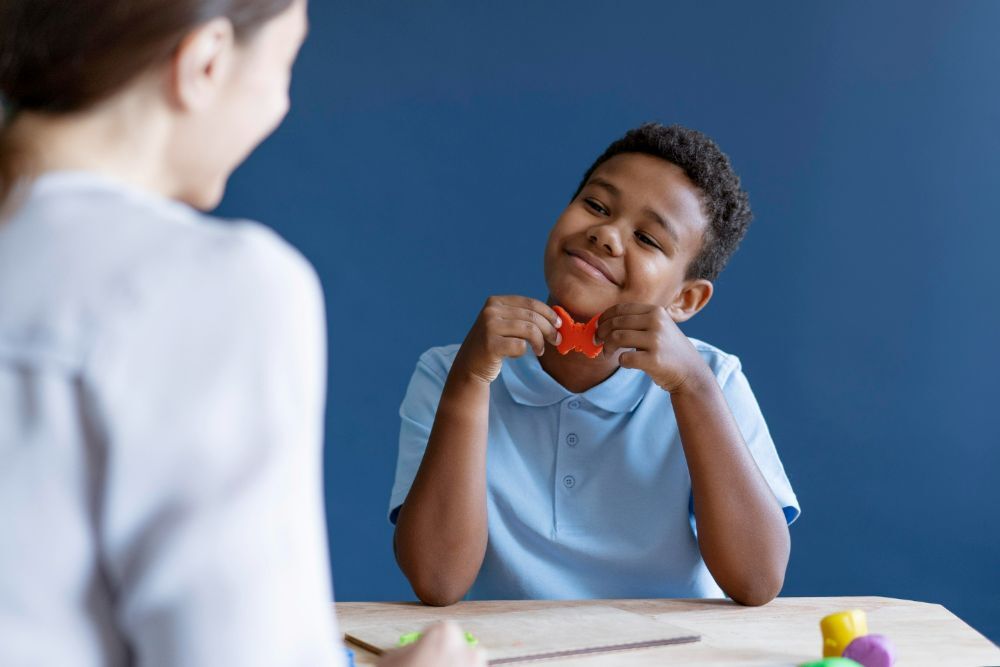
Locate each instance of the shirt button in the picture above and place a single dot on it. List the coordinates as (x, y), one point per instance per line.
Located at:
(569, 481)
(574, 404)
(571, 440)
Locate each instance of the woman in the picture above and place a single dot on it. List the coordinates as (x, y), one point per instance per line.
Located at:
(161, 373)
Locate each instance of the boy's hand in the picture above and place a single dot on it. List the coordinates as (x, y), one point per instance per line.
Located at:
(661, 349)
(506, 326)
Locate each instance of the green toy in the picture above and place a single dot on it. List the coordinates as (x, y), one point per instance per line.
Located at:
(411, 637)
(832, 662)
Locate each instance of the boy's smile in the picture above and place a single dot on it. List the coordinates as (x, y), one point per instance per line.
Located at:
(586, 261)
(628, 236)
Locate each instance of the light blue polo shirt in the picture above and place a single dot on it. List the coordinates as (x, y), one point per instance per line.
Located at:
(588, 495)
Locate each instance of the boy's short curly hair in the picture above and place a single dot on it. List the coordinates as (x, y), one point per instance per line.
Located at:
(726, 204)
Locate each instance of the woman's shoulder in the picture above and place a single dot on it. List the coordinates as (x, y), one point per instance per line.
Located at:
(81, 253)
(228, 270)
(253, 250)
(81, 229)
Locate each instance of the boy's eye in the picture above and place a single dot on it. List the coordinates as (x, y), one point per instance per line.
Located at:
(648, 240)
(594, 205)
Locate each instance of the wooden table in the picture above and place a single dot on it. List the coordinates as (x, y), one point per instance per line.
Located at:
(784, 632)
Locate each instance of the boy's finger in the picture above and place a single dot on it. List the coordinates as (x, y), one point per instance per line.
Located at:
(535, 305)
(620, 309)
(525, 330)
(508, 346)
(635, 359)
(620, 338)
(636, 322)
(548, 329)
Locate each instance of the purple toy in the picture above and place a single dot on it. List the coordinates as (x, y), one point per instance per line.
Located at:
(871, 651)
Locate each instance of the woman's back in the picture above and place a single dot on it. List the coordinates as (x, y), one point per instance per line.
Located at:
(161, 374)
(161, 396)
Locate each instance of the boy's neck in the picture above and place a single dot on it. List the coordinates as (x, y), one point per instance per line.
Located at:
(576, 372)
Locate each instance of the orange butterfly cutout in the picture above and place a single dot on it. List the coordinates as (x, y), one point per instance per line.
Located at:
(576, 335)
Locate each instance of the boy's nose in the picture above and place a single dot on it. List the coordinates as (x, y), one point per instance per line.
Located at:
(607, 238)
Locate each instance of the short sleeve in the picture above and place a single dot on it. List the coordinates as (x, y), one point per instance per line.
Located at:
(209, 383)
(750, 420)
(416, 415)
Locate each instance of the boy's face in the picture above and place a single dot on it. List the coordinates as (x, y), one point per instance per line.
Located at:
(628, 237)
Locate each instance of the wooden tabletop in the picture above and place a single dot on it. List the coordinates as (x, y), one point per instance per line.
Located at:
(782, 633)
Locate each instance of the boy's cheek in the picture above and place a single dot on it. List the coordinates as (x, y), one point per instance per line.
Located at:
(556, 243)
(553, 249)
(568, 224)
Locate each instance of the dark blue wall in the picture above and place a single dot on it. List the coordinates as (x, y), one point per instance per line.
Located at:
(431, 147)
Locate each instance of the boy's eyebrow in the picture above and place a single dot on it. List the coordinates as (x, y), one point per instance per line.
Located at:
(597, 180)
(659, 219)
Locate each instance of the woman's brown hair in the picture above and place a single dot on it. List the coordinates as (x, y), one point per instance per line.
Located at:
(59, 57)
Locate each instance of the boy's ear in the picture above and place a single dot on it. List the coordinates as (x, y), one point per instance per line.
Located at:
(694, 296)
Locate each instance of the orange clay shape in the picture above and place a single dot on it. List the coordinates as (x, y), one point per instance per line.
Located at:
(577, 336)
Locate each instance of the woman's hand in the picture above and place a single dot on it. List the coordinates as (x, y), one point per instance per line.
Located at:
(657, 344)
(506, 327)
(442, 645)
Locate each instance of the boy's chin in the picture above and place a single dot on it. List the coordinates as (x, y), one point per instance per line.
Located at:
(581, 307)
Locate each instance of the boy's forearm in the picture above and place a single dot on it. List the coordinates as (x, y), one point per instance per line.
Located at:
(441, 530)
(742, 531)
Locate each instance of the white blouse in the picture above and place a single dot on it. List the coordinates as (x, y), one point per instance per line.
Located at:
(161, 406)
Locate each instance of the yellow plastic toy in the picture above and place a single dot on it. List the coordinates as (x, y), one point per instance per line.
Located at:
(841, 629)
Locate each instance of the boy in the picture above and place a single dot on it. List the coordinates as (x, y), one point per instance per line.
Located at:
(647, 471)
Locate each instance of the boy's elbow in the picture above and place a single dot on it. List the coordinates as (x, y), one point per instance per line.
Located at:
(427, 579)
(757, 591)
(756, 582)
(439, 596)
(430, 588)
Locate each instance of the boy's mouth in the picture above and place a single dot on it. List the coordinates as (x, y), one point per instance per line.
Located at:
(590, 264)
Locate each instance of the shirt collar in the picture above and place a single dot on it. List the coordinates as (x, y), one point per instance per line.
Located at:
(529, 384)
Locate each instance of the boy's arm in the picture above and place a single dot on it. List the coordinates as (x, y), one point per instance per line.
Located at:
(742, 531)
(441, 530)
